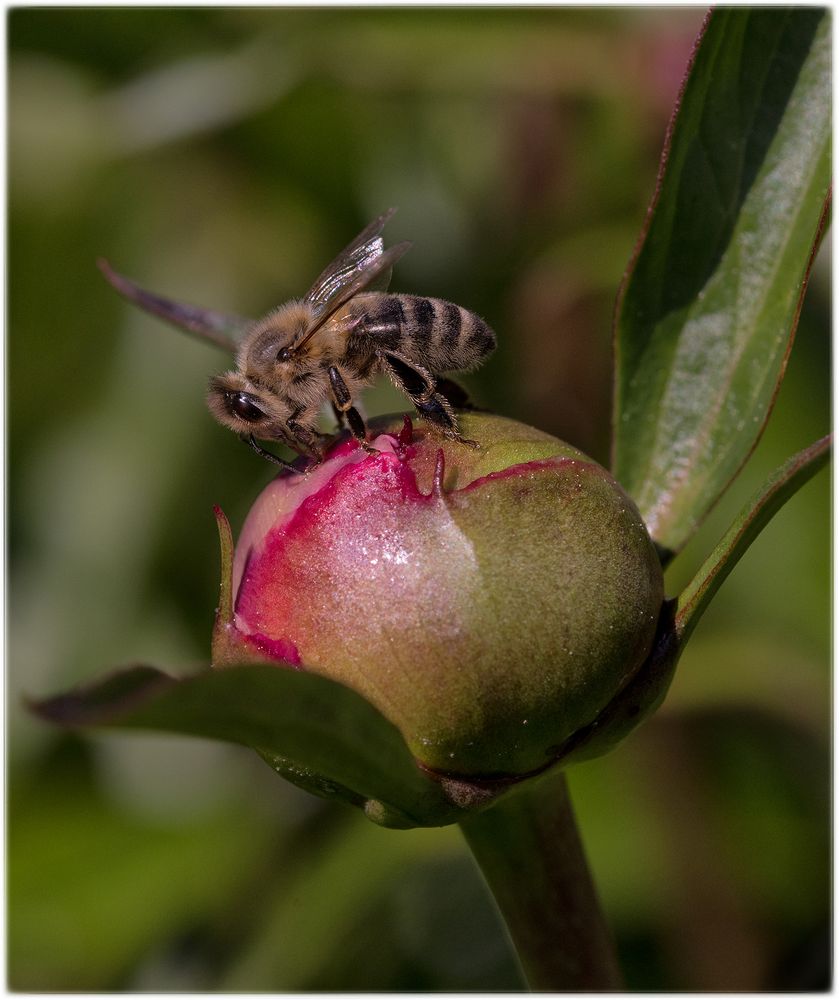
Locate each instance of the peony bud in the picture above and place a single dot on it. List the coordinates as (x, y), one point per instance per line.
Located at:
(489, 602)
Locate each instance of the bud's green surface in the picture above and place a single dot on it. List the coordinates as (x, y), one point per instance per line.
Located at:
(489, 602)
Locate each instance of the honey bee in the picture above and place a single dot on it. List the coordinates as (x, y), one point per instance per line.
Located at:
(330, 345)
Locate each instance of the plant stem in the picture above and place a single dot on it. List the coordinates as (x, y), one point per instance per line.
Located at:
(530, 853)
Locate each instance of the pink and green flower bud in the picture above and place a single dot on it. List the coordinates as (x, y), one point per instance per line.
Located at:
(490, 602)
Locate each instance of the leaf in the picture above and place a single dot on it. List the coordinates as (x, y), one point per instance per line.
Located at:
(315, 732)
(753, 518)
(708, 309)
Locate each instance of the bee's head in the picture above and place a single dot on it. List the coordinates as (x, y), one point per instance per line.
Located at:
(236, 403)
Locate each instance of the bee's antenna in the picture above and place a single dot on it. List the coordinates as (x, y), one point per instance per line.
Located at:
(264, 453)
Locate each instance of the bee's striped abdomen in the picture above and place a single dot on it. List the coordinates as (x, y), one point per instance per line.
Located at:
(474, 337)
(384, 319)
(446, 337)
(437, 335)
(423, 319)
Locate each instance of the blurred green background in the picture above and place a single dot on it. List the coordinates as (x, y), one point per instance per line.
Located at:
(223, 156)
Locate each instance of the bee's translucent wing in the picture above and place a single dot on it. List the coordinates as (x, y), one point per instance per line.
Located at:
(364, 263)
(221, 329)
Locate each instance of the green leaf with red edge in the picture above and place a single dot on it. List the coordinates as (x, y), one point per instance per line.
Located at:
(708, 309)
(313, 731)
(752, 519)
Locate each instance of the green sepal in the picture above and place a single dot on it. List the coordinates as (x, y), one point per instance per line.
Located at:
(314, 731)
(648, 686)
(636, 701)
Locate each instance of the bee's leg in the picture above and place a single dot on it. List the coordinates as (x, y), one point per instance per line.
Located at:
(304, 439)
(339, 416)
(356, 424)
(421, 388)
(269, 455)
(414, 381)
(342, 403)
(455, 394)
(438, 411)
(420, 384)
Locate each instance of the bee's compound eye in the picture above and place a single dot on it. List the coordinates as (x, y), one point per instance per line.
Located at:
(243, 406)
(284, 354)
